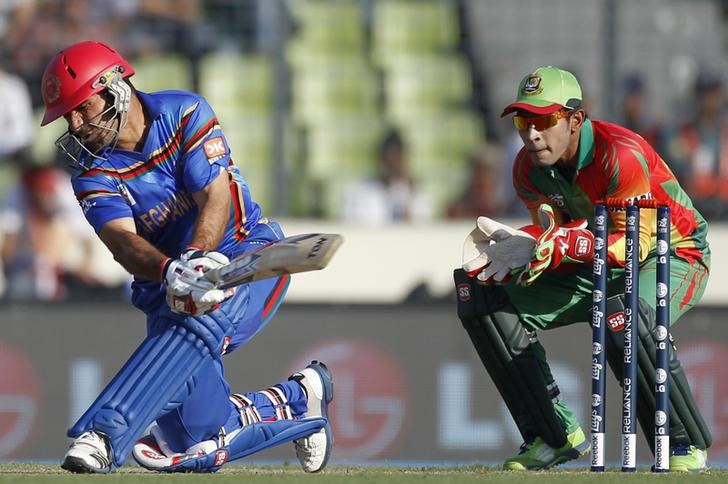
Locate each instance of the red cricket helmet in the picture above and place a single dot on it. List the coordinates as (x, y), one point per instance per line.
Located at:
(76, 73)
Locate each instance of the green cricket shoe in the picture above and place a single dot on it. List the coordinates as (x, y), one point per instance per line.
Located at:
(537, 454)
(688, 458)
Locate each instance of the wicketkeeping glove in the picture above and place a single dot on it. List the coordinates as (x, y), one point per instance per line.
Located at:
(188, 291)
(555, 244)
(494, 252)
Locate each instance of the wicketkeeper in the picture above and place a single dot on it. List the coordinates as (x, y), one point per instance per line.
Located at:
(517, 282)
(155, 178)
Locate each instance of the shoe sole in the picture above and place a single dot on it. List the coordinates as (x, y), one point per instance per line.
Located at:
(685, 470)
(571, 454)
(327, 382)
(79, 466)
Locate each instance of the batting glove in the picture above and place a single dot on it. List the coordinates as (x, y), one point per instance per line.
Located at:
(188, 291)
(203, 260)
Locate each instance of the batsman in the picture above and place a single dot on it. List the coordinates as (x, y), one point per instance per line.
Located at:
(515, 283)
(155, 177)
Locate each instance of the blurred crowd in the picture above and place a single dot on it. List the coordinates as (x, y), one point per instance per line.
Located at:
(32, 31)
(48, 252)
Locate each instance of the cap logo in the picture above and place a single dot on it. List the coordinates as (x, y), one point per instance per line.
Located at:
(51, 89)
(532, 85)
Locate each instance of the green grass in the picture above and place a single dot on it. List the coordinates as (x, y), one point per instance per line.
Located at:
(42, 473)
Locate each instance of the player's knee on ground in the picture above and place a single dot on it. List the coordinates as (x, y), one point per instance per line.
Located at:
(161, 373)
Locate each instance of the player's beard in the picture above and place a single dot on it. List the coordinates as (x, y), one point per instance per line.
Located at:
(91, 140)
(99, 139)
(101, 133)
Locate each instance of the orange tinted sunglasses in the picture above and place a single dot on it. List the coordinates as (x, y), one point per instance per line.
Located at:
(539, 123)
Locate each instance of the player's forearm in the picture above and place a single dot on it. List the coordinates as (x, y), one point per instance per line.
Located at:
(136, 255)
(139, 257)
(210, 227)
(214, 204)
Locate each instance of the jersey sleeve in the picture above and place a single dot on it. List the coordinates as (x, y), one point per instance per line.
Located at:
(100, 200)
(629, 179)
(206, 150)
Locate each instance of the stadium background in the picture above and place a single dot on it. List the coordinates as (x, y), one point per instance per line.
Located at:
(304, 90)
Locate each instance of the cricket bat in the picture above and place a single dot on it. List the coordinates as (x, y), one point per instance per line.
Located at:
(298, 253)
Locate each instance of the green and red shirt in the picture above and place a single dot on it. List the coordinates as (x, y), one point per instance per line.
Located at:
(614, 162)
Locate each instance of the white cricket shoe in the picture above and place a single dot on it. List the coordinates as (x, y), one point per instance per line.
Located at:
(89, 453)
(313, 451)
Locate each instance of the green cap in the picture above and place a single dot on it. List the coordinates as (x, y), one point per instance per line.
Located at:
(545, 90)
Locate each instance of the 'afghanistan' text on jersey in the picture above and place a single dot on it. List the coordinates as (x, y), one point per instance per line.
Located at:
(184, 151)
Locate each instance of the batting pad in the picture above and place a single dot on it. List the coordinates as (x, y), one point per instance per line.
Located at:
(514, 360)
(157, 378)
(686, 422)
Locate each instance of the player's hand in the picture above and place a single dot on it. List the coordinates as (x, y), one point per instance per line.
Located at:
(206, 260)
(188, 290)
(494, 252)
(203, 260)
(556, 244)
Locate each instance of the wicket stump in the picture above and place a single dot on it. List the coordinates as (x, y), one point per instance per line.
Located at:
(631, 333)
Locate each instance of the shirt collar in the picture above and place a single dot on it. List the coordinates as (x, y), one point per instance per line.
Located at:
(150, 104)
(586, 144)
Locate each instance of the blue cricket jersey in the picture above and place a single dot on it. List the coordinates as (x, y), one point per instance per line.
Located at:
(184, 151)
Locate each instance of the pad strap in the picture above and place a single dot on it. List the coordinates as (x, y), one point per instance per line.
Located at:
(248, 413)
(279, 402)
(514, 359)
